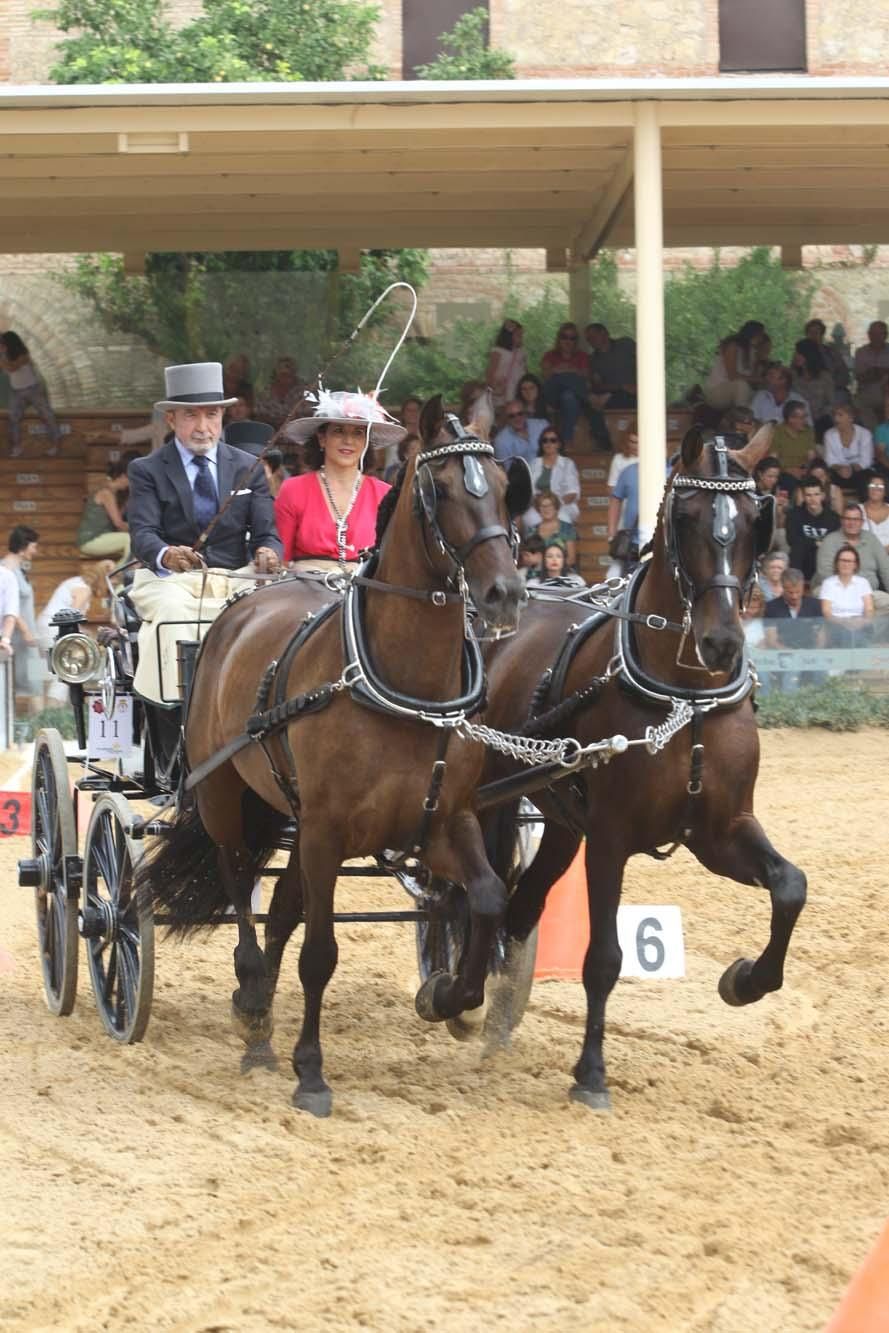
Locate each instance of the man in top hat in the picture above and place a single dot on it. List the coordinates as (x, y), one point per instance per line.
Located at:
(196, 494)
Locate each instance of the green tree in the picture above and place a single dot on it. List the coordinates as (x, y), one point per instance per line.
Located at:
(467, 54)
(132, 41)
(702, 306)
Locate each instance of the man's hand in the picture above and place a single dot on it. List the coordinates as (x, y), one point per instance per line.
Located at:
(180, 559)
(266, 560)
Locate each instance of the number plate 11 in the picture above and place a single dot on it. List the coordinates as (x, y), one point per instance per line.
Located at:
(652, 941)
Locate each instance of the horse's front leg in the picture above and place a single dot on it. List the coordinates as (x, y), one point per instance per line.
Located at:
(557, 849)
(320, 855)
(456, 851)
(285, 914)
(252, 1001)
(601, 969)
(745, 854)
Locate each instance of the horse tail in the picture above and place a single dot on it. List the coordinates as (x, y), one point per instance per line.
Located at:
(181, 873)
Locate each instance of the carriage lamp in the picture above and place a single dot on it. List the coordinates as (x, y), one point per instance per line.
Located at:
(77, 659)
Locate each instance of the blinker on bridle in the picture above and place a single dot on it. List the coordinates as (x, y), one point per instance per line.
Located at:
(723, 531)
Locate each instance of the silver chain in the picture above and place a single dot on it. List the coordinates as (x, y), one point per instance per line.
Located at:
(467, 446)
(522, 748)
(342, 520)
(713, 484)
(657, 738)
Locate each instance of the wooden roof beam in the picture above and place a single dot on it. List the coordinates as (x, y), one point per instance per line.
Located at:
(594, 233)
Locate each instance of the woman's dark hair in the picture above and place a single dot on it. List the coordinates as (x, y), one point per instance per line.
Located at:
(733, 418)
(558, 545)
(846, 549)
(22, 536)
(745, 334)
(770, 461)
(116, 469)
(246, 391)
(274, 458)
(506, 336)
(549, 430)
(533, 544)
(792, 405)
(13, 344)
(403, 445)
(820, 323)
(418, 401)
(538, 393)
(811, 354)
(313, 454)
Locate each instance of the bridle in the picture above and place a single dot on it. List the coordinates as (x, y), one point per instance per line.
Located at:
(723, 532)
(471, 449)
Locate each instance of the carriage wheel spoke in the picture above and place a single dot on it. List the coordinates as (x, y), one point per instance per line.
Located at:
(110, 972)
(128, 979)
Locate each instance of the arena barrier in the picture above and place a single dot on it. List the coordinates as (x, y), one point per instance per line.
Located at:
(865, 1306)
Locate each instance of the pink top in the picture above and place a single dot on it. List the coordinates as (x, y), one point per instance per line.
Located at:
(307, 527)
(553, 362)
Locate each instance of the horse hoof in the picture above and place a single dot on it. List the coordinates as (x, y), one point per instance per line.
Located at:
(253, 1029)
(732, 979)
(425, 999)
(594, 1101)
(318, 1104)
(258, 1055)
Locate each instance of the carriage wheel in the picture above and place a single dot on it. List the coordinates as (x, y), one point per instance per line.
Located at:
(440, 943)
(117, 923)
(53, 838)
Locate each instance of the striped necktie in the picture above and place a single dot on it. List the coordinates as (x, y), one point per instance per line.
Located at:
(206, 501)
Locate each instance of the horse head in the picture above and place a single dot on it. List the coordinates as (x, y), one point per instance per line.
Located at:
(714, 528)
(466, 503)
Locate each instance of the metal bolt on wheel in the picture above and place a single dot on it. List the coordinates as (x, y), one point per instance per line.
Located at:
(116, 922)
(53, 839)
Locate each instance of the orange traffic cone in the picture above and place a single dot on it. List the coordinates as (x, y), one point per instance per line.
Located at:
(865, 1306)
(564, 931)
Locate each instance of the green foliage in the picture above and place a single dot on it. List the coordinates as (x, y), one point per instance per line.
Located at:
(837, 705)
(132, 41)
(466, 53)
(61, 718)
(703, 306)
(196, 307)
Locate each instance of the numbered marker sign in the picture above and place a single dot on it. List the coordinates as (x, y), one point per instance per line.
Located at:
(110, 738)
(652, 942)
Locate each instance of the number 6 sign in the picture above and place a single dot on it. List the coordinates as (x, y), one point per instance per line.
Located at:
(651, 941)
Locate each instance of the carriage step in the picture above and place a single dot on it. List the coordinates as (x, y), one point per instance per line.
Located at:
(30, 875)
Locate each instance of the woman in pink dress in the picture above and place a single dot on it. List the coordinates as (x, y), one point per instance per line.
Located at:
(326, 516)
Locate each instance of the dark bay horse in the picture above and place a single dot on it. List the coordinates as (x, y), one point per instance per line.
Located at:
(702, 563)
(358, 779)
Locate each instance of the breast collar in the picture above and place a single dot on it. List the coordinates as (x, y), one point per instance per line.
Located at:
(634, 675)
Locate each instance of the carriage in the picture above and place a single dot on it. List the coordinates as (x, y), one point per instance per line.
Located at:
(129, 752)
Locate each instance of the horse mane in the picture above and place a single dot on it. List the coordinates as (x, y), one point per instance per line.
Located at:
(387, 506)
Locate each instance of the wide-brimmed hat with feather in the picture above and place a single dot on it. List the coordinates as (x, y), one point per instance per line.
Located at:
(353, 409)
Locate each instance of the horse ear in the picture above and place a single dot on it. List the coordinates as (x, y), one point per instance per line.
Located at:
(692, 446)
(755, 448)
(482, 421)
(431, 418)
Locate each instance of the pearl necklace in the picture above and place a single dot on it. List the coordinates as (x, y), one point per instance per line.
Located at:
(342, 520)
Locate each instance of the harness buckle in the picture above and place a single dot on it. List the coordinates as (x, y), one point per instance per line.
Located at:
(438, 598)
(656, 622)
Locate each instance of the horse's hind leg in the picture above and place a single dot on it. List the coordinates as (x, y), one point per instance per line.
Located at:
(285, 914)
(747, 856)
(252, 1000)
(554, 855)
(319, 859)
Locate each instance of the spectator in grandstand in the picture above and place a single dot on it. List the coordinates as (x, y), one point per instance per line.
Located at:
(103, 529)
(244, 406)
(833, 495)
(729, 382)
(881, 440)
(530, 394)
(566, 386)
(847, 600)
(519, 437)
(793, 619)
(772, 566)
(328, 515)
(738, 421)
(623, 517)
(531, 557)
(627, 451)
(873, 559)
(553, 472)
(876, 511)
(812, 381)
(553, 529)
(849, 451)
(9, 611)
(26, 389)
(409, 416)
(768, 403)
(872, 373)
(808, 524)
(830, 354)
(235, 372)
(29, 673)
(751, 618)
(406, 449)
(507, 362)
(612, 368)
(793, 441)
(284, 392)
(72, 594)
(556, 573)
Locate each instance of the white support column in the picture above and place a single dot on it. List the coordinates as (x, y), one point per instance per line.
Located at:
(579, 293)
(649, 228)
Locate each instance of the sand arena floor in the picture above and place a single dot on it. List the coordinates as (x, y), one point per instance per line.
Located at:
(739, 1180)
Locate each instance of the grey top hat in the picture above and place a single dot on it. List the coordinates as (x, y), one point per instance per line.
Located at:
(198, 384)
